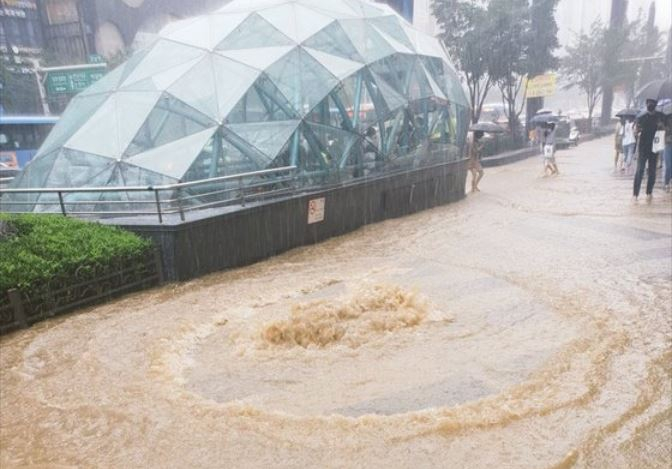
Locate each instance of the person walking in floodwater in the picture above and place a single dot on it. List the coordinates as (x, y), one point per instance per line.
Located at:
(475, 166)
(550, 165)
(668, 152)
(646, 128)
(629, 143)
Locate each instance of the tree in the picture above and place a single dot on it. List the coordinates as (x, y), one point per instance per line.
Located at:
(510, 43)
(466, 35)
(543, 43)
(652, 47)
(583, 65)
(615, 40)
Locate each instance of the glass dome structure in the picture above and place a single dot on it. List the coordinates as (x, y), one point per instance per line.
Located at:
(344, 87)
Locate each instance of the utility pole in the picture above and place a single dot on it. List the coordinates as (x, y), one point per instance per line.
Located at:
(619, 10)
(668, 62)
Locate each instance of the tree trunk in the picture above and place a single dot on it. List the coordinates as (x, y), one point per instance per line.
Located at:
(617, 21)
(534, 105)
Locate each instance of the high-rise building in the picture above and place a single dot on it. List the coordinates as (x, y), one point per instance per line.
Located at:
(404, 7)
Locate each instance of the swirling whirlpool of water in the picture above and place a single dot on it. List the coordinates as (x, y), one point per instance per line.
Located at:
(529, 326)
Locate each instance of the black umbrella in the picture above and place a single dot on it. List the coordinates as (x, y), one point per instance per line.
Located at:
(545, 119)
(628, 113)
(656, 90)
(487, 127)
(665, 106)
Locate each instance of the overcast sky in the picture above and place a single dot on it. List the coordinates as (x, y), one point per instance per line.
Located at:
(575, 15)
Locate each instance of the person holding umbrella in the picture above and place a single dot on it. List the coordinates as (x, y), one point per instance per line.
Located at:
(646, 127)
(629, 139)
(668, 152)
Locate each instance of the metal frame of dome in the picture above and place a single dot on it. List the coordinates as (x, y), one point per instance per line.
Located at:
(344, 88)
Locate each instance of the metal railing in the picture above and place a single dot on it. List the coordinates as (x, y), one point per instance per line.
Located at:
(239, 189)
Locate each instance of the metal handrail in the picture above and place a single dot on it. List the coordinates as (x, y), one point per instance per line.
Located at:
(167, 187)
(156, 191)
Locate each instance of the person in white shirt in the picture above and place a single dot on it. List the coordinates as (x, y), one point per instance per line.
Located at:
(550, 165)
(629, 143)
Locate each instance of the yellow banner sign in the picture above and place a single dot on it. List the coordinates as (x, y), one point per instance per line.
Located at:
(542, 86)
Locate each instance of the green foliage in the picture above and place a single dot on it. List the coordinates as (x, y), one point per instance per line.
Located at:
(584, 64)
(44, 246)
(498, 43)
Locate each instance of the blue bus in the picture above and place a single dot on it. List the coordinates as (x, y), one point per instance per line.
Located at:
(21, 137)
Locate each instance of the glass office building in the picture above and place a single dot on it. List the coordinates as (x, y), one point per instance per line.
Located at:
(341, 90)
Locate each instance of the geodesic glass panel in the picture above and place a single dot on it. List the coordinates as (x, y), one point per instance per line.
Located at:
(262, 103)
(158, 160)
(340, 89)
(302, 80)
(80, 109)
(370, 45)
(334, 40)
(252, 33)
(267, 137)
(163, 56)
(390, 25)
(295, 20)
(170, 120)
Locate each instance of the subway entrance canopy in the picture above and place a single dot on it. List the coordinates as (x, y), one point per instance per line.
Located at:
(342, 87)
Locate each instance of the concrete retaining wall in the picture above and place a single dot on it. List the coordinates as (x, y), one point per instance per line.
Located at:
(242, 237)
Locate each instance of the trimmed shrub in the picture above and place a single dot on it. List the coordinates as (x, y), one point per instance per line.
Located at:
(37, 248)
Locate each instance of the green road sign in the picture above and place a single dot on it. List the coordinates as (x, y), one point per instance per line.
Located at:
(72, 81)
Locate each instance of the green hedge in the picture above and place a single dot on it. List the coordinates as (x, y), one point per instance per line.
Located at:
(35, 248)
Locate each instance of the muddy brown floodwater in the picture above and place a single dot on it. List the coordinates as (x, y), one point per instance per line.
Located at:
(528, 326)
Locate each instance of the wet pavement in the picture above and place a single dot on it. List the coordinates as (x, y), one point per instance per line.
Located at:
(528, 326)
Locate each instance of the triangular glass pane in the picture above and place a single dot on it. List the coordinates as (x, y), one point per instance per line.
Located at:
(33, 175)
(424, 44)
(164, 55)
(75, 115)
(219, 158)
(436, 90)
(195, 32)
(139, 177)
(302, 80)
(77, 169)
(260, 58)
(262, 103)
(170, 120)
(161, 81)
(368, 42)
(333, 9)
(364, 9)
(295, 20)
(336, 143)
(110, 82)
(233, 80)
(333, 40)
(267, 137)
(391, 26)
(110, 130)
(207, 31)
(174, 158)
(198, 89)
(393, 99)
(396, 45)
(254, 32)
(339, 67)
(394, 70)
(418, 87)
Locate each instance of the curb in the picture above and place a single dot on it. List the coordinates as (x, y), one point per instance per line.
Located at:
(509, 157)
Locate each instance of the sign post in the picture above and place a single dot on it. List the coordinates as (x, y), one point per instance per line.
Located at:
(72, 79)
(542, 86)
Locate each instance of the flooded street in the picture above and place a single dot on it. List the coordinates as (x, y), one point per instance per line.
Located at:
(528, 326)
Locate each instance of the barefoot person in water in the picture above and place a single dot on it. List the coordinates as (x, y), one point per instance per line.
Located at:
(475, 150)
